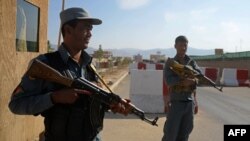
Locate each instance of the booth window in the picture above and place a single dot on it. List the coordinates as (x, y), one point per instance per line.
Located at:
(27, 27)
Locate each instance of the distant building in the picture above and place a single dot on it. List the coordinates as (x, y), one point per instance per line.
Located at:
(103, 59)
(218, 51)
(157, 57)
(138, 58)
(105, 54)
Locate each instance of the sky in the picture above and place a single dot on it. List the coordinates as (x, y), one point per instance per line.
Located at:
(150, 24)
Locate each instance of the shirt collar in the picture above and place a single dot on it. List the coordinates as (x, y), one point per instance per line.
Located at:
(65, 55)
(186, 58)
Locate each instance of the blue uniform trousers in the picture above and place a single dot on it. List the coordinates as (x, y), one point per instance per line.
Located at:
(179, 123)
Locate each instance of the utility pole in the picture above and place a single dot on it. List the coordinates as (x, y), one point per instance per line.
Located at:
(59, 35)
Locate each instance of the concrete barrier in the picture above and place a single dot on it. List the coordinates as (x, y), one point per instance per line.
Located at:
(159, 66)
(141, 66)
(212, 73)
(234, 77)
(133, 66)
(228, 77)
(242, 77)
(150, 66)
(146, 66)
(146, 90)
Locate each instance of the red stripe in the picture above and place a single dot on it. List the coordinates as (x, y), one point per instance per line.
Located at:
(242, 77)
(211, 73)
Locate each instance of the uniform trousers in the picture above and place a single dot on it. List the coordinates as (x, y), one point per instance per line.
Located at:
(179, 123)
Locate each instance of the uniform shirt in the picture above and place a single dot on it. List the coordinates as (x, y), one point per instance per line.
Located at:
(33, 96)
(172, 78)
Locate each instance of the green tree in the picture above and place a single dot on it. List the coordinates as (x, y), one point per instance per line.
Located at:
(49, 48)
(99, 54)
(126, 61)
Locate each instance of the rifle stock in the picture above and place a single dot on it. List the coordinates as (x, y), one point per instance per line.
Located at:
(42, 71)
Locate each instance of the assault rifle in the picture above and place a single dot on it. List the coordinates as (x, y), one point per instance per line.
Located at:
(42, 71)
(185, 71)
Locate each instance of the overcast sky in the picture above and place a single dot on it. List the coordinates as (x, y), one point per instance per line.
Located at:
(147, 24)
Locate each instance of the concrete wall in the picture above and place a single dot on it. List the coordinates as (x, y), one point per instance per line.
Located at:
(13, 64)
(240, 64)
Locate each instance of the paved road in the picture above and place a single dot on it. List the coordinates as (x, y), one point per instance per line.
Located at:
(215, 109)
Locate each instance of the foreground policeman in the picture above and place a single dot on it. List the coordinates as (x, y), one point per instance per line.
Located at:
(70, 114)
(180, 105)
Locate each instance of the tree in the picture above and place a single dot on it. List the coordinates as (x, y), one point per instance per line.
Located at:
(99, 54)
(126, 61)
(49, 48)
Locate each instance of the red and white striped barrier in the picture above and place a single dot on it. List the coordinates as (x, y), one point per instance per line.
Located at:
(242, 77)
(234, 77)
(212, 73)
(146, 66)
(147, 87)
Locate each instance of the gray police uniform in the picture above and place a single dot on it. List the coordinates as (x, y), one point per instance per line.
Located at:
(179, 123)
(64, 122)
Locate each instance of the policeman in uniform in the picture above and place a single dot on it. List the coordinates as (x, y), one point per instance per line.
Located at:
(69, 114)
(180, 105)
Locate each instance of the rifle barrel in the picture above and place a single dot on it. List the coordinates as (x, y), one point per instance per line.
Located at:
(211, 82)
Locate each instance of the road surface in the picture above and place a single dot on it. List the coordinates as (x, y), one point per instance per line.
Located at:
(215, 109)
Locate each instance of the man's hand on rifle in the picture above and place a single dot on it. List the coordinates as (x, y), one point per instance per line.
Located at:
(122, 107)
(67, 96)
(188, 82)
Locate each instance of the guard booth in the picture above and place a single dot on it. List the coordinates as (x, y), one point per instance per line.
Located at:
(23, 32)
